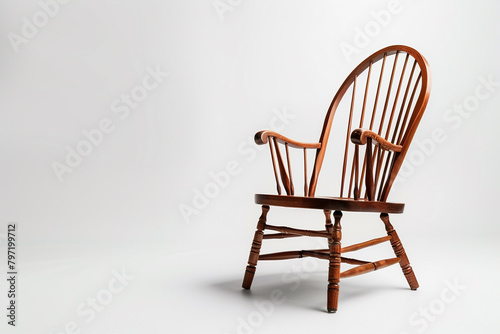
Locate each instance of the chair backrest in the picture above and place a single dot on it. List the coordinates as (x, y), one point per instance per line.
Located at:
(387, 93)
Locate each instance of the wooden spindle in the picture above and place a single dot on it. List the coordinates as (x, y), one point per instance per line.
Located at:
(281, 256)
(369, 169)
(351, 178)
(366, 95)
(356, 163)
(378, 92)
(353, 261)
(280, 236)
(305, 173)
(365, 244)
(348, 136)
(316, 254)
(274, 168)
(382, 179)
(285, 229)
(284, 177)
(380, 159)
(366, 268)
(362, 175)
(289, 169)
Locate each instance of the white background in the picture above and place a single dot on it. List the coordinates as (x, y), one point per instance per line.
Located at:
(229, 74)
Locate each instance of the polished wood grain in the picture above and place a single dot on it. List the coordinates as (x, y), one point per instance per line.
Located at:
(331, 203)
(365, 268)
(399, 250)
(255, 250)
(284, 229)
(335, 232)
(365, 244)
(359, 137)
(382, 101)
(263, 136)
(281, 166)
(281, 236)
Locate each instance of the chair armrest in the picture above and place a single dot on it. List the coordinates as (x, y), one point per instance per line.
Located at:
(262, 138)
(359, 137)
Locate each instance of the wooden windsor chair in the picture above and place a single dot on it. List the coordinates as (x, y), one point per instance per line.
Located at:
(382, 100)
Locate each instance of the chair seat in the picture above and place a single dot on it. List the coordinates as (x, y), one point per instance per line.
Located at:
(329, 203)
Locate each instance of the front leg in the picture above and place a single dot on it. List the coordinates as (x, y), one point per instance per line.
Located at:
(335, 232)
(255, 250)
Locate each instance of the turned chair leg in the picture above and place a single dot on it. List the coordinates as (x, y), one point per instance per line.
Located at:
(335, 233)
(255, 250)
(397, 246)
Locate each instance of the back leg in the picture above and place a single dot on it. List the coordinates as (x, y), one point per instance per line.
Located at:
(255, 250)
(397, 246)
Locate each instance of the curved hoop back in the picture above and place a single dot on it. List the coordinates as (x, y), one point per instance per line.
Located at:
(387, 93)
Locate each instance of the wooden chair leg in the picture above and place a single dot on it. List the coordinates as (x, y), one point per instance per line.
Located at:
(335, 232)
(397, 246)
(255, 250)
